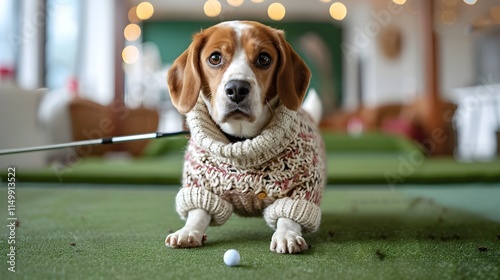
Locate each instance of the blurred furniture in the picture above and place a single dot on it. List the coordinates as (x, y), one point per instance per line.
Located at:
(371, 118)
(139, 120)
(19, 127)
(404, 120)
(91, 120)
(53, 116)
(478, 121)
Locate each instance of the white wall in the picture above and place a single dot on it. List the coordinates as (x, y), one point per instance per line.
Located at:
(96, 75)
(383, 80)
(401, 80)
(457, 49)
(27, 40)
(397, 80)
(7, 21)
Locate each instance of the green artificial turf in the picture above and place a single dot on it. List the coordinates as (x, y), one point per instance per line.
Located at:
(88, 231)
(368, 159)
(343, 168)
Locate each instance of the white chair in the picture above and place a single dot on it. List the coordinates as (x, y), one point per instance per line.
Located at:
(19, 127)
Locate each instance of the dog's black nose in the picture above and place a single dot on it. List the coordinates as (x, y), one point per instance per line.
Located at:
(237, 90)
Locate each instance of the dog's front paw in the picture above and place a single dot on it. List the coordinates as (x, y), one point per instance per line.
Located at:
(287, 242)
(185, 238)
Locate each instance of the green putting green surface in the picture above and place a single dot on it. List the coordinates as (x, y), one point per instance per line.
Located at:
(342, 169)
(367, 159)
(89, 231)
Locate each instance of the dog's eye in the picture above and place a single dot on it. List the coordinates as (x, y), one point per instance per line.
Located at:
(215, 59)
(264, 60)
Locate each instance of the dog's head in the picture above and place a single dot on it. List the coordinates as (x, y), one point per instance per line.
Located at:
(242, 69)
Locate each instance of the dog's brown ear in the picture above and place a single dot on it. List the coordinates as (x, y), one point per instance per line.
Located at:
(293, 75)
(184, 77)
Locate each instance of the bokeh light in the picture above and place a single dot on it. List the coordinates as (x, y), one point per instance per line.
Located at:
(338, 11)
(399, 2)
(257, 1)
(276, 11)
(470, 2)
(495, 14)
(130, 54)
(132, 32)
(448, 17)
(132, 15)
(212, 8)
(450, 2)
(145, 10)
(235, 3)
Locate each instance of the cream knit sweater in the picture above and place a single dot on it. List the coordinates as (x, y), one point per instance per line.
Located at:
(280, 173)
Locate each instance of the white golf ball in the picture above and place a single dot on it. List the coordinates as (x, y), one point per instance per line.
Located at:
(232, 257)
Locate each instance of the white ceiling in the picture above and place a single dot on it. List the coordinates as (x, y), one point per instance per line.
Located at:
(193, 9)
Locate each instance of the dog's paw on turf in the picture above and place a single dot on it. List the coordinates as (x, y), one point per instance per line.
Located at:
(287, 242)
(185, 238)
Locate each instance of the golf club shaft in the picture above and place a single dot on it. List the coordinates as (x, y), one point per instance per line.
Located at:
(103, 141)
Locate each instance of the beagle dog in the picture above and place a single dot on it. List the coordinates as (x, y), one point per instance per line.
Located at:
(241, 87)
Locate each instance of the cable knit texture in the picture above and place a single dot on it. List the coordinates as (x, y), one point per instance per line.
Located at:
(280, 173)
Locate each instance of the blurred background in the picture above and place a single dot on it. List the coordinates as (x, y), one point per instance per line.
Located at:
(424, 71)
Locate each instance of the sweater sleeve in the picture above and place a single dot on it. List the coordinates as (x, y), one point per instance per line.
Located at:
(303, 212)
(200, 198)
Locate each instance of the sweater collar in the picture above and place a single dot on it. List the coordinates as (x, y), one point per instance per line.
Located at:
(234, 139)
(275, 137)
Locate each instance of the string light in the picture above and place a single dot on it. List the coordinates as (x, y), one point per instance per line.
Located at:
(470, 2)
(448, 17)
(399, 2)
(132, 15)
(276, 11)
(145, 10)
(235, 3)
(130, 54)
(450, 2)
(212, 8)
(338, 11)
(132, 32)
(495, 14)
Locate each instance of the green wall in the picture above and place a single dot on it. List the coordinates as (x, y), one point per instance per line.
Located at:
(173, 37)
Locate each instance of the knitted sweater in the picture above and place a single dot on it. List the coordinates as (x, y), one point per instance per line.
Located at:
(279, 173)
